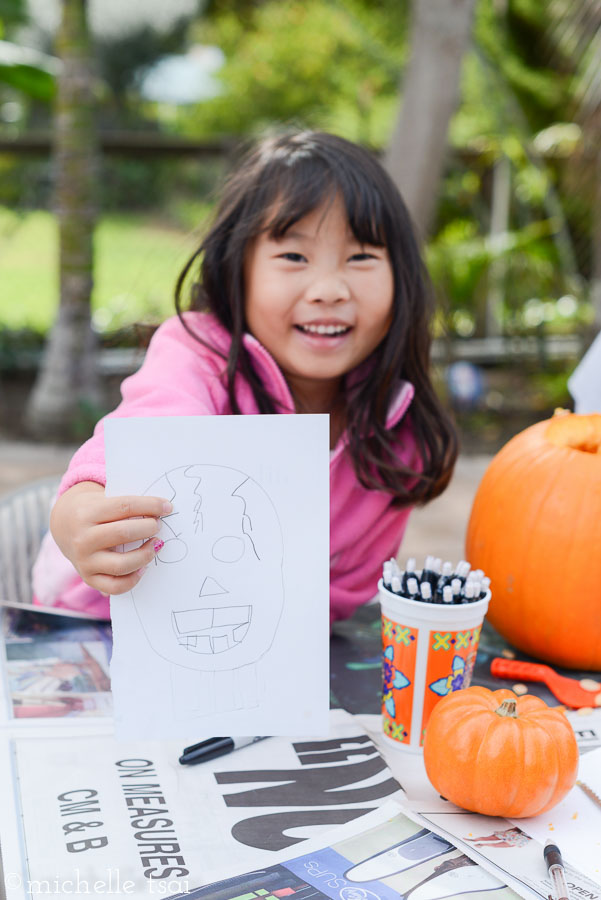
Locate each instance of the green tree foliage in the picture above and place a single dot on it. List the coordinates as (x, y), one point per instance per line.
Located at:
(332, 65)
(512, 83)
(23, 76)
(12, 12)
(30, 80)
(516, 94)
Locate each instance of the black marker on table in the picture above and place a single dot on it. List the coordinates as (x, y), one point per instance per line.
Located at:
(214, 747)
(556, 870)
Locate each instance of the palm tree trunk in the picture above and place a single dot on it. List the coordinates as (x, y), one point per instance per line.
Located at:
(440, 36)
(68, 377)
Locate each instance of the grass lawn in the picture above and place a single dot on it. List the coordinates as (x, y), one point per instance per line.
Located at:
(137, 263)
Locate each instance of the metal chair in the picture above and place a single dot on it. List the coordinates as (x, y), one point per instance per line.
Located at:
(24, 515)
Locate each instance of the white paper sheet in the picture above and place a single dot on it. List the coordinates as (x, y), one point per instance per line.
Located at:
(584, 384)
(216, 637)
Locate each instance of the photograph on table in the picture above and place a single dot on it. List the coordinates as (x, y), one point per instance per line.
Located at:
(50, 679)
(55, 667)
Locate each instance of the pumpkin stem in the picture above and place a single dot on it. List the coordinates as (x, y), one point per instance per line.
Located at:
(508, 708)
(578, 432)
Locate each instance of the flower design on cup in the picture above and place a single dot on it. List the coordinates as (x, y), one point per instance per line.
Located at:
(392, 679)
(454, 681)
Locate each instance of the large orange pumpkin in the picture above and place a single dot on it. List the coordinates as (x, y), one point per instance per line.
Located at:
(535, 529)
(500, 755)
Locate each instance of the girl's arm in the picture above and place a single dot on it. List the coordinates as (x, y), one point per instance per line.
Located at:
(88, 526)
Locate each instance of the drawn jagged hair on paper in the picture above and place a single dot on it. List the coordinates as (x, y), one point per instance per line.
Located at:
(224, 545)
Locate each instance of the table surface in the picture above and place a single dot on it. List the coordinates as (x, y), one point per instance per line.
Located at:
(355, 654)
(356, 663)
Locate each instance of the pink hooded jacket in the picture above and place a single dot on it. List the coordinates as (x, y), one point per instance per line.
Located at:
(181, 377)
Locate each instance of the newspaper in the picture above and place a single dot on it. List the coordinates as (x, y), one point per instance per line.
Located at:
(129, 811)
(95, 811)
(587, 727)
(507, 851)
(383, 855)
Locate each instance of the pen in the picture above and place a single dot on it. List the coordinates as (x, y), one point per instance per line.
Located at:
(214, 747)
(556, 870)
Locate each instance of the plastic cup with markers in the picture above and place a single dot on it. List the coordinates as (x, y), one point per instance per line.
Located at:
(431, 623)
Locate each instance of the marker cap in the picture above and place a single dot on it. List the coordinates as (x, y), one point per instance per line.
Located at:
(552, 855)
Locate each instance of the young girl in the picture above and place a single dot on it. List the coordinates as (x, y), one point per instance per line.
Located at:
(308, 295)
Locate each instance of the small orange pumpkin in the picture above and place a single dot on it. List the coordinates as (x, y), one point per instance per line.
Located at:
(500, 755)
(535, 529)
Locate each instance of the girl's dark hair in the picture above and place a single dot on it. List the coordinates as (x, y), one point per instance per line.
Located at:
(279, 182)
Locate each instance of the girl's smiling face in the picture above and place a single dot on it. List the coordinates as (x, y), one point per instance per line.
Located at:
(318, 300)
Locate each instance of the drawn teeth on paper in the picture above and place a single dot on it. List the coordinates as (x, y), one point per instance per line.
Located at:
(193, 620)
(211, 630)
(199, 643)
(220, 643)
(240, 632)
(232, 615)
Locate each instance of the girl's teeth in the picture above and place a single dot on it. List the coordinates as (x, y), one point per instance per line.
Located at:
(325, 329)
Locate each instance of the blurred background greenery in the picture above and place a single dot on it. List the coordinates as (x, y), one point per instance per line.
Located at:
(513, 238)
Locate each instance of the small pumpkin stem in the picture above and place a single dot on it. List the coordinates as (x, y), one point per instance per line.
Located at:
(508, 708)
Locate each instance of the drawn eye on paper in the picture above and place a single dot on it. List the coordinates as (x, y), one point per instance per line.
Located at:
(216, 594)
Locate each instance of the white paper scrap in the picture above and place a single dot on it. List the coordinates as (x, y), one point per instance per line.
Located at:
(575, 823)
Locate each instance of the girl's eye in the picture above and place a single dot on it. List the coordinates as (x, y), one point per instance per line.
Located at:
(293, 257)
(361, 257)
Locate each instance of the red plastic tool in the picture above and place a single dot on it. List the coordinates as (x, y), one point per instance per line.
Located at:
(567, 690)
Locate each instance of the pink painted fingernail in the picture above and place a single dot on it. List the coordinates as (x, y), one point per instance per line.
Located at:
(158, 545)
(167, 507)
(141, 571)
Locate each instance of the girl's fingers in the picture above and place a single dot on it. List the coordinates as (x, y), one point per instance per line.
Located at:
(111, 584)
(116, 564)
(124, 531)
(110, 509)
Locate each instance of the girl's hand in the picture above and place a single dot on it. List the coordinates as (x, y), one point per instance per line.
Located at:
(87, 526)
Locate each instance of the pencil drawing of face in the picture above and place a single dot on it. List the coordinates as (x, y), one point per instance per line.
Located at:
(215, 597)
